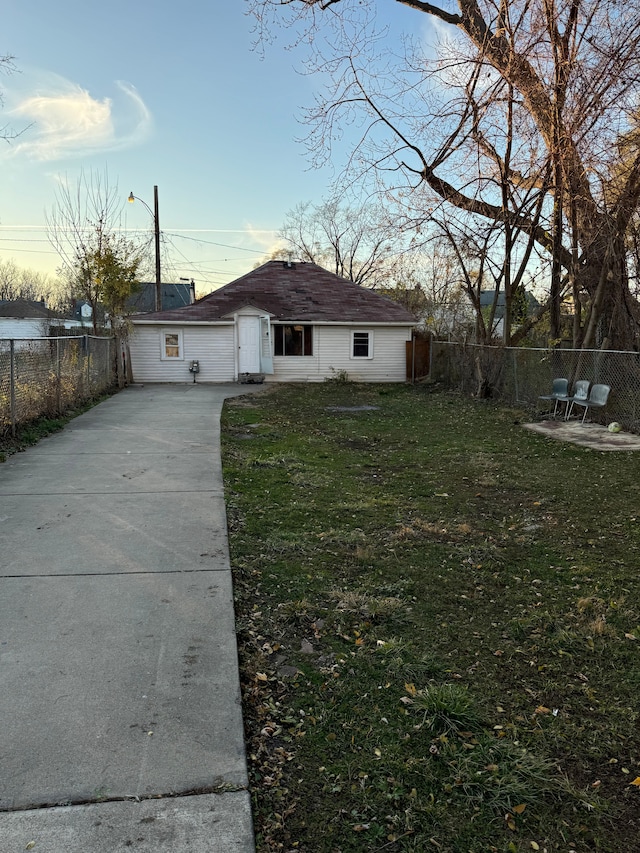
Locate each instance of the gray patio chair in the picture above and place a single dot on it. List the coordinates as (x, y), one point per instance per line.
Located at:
(597, 399)
(559, 394)
(580, 395)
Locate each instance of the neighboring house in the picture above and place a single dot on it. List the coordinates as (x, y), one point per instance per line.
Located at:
(81, 317)
(171, 295)
(288, 322)
(486, 301)
(23, 318)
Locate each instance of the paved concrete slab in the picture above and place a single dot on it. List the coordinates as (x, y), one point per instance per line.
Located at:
(119, 686)
(109, 470)
(199, 824)
(595, 436)
(129, 531)
(118, 660)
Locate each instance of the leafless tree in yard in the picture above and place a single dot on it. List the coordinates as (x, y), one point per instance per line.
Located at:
(98, 260)
(521, 97)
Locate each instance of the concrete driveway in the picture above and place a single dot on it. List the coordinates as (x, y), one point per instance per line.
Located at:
(119, 691)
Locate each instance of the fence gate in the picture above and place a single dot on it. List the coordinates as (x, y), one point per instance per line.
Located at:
(418, 357)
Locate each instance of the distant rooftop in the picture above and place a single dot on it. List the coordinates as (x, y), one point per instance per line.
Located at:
(172, 295)
(24, 308)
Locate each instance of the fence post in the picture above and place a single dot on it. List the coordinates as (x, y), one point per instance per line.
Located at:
(120, 376)
(12, 385)
(58, 378)
(96, 376)
(87, 360)
(413, 357)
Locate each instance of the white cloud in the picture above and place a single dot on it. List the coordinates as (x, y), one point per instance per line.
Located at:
(264, 239)
(63, 120)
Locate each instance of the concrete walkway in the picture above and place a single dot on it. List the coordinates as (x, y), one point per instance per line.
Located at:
(119, 693)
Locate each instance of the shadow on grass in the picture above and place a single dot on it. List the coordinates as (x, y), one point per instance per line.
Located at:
(438, 625)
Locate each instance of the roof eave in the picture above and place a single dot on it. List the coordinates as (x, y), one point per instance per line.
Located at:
(357, 322)
(172, 322)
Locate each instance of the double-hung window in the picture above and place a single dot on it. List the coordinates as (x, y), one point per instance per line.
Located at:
(361, 344)
(171, 344)
(292, 340)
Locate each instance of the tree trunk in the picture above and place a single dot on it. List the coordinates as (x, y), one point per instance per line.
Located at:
(613, 315)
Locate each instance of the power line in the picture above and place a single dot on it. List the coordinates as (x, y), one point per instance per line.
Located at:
(203, 275)
(39, 228)
(212, 243)
(21, 240)
(33, 251)
(209, 276)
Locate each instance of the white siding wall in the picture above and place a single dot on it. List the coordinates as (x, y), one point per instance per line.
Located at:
(332, 349)
(215, 348)
(15, 327)
(212, 346)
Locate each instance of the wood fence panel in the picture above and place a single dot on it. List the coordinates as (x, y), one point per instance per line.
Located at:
(418, 358)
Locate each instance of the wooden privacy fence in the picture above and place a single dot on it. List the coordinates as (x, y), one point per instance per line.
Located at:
(48, 376)
(418, 357)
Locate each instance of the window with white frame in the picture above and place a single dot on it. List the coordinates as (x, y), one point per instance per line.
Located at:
(171, 344)
(361, 344)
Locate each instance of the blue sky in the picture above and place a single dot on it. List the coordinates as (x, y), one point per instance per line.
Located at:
(155, 94)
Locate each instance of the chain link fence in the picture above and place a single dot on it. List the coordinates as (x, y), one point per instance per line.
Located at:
(48, 376)
(518, 375)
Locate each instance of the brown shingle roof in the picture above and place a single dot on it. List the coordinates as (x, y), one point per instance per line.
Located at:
(297, 292)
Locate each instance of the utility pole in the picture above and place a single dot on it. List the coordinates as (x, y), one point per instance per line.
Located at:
(156, 224)
(156, 234)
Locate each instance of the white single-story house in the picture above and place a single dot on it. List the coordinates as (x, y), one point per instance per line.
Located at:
(25, 318)
(284, 321)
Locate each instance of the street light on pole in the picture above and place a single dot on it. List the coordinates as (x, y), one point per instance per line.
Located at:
(156, 228)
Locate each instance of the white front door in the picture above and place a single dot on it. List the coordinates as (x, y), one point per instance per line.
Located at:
(248, 344)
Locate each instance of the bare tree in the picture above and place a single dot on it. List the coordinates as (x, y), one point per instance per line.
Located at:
(98, 260)
(22, 283)
(429, 285)
(7, 66)
(570, 75)
(355, 243)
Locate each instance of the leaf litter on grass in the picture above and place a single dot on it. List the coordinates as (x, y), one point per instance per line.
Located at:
(358, 595)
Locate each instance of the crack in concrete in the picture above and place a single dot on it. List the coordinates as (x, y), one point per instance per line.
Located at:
(113, 574)
(218, 790)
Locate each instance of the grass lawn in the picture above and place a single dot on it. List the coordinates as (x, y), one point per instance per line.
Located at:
(439, 625)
